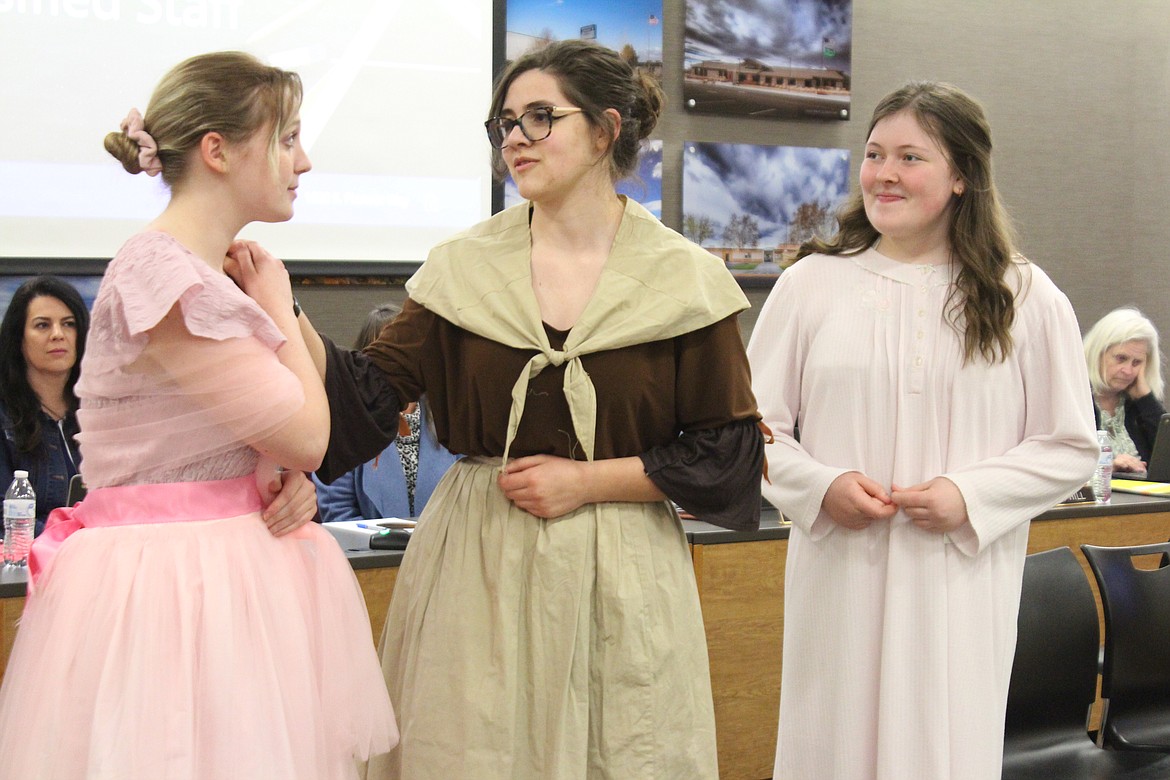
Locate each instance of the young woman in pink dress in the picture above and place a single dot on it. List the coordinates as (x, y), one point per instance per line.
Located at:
(182, 623)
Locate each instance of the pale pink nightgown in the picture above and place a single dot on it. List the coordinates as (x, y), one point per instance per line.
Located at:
(898, 642)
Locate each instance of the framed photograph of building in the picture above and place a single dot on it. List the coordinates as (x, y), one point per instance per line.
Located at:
(633, 28)
(787, 59)
(753, 206)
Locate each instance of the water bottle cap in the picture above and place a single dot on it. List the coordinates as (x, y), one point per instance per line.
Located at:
(20, 474)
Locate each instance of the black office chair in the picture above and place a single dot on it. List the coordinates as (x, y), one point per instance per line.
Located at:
(1054, 682)
(1135, 675)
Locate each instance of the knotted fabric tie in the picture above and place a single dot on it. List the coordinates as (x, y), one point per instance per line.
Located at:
(579, 393)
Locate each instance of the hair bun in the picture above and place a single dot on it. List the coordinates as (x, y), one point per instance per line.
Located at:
(649, 104)
(125, 151)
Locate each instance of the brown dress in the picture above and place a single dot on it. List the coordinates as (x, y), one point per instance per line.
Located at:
(517, 647)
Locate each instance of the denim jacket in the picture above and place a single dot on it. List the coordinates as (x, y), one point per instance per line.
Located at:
(49, 468)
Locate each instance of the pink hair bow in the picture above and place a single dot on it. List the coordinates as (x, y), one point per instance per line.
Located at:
(135, 129)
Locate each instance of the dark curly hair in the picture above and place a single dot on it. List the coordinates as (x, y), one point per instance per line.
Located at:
(593, 78)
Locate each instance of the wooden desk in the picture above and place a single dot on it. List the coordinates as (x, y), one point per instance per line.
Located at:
(741, 588)
(376, 573)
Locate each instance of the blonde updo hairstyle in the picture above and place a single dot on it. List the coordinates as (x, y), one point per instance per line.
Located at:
(594, 78)
(231, 93)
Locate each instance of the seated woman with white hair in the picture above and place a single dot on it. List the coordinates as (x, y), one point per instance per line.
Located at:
(1125, 369)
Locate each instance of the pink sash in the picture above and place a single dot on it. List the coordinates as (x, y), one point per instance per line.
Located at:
(173, 502)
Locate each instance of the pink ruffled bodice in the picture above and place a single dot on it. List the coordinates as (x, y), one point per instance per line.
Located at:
(177, 397)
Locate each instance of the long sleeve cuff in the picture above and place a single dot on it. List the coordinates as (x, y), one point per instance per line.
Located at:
(713, 474)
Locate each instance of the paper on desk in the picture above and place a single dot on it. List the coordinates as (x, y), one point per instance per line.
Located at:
(1141, 487)
(353, 534)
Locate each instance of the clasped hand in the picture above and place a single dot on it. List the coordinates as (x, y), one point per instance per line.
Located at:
(855, 501)
(544, 485)
(260, 274)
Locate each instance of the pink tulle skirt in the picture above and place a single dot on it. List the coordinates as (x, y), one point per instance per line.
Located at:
(194, 650)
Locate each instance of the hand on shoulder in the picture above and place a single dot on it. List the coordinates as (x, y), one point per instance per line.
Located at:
(261, 275)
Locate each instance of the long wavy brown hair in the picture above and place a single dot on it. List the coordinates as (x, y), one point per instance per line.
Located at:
(981, 305)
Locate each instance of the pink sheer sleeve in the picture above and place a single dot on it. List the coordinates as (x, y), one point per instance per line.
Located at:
(180, 369)
(153, 271)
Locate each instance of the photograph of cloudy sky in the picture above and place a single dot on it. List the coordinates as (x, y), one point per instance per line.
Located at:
(768, 58)
(754, 205)
(631, 27)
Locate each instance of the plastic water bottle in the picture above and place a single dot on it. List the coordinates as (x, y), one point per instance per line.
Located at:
(20, 518)
(1102, 485)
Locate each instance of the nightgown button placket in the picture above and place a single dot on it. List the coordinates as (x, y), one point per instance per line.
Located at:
(917, 372)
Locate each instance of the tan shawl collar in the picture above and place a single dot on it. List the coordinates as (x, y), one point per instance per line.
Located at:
(655, 285)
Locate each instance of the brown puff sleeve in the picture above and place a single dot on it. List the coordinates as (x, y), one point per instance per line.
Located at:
(713, 469)
(713, 474)
(363, 411)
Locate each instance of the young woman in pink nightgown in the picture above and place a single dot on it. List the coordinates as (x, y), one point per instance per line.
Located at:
(928, 395)
(180, 625)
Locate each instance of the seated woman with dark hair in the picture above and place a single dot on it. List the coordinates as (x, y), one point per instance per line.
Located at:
(42, 340)
(399, 481)
(1125, 370)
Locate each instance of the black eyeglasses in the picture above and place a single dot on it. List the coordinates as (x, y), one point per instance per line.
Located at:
(535, 123)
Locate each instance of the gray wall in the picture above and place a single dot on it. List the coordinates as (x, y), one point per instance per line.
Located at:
(1078, 94)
